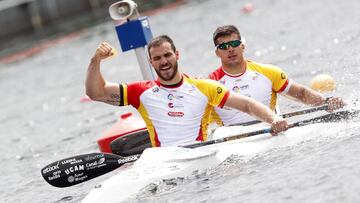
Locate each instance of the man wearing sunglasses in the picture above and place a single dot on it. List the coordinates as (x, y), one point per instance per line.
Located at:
(175, 107)
(261, 82)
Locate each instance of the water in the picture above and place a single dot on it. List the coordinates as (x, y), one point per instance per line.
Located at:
(43, 120)
(285, 169)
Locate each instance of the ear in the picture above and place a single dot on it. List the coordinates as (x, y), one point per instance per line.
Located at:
(243, 46)
(150, 60)
(177, 54)
(217, 53)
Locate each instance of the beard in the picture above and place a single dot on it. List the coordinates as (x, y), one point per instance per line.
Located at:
(169, 74)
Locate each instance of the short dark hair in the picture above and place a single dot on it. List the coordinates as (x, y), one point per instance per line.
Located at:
(157, 41)
(224, 31)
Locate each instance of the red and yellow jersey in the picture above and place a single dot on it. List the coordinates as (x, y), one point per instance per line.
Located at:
(261, 82)
(175, 114)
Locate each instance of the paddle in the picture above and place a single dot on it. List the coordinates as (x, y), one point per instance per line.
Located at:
(288, 115)
(78, 169)
(331, 117)
(133, 143)
(136, 143)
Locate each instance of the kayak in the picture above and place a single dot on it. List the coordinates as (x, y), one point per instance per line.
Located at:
(155, 164)
(163, 163)
(159, 164)
(136, 171)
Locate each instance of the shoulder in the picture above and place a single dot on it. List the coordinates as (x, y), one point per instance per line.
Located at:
(263, 67)
(207, 85)
(141, 84)
(135, 89)
(269, 70)
(217, 74)
(139, 87)
(201, 81)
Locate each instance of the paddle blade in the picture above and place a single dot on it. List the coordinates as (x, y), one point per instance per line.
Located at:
(331, 117)
(78, 169)
(134, 143)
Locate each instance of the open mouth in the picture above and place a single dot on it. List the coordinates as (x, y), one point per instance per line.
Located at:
(165, 68)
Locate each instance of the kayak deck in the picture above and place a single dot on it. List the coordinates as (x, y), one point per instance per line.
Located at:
(154, 165)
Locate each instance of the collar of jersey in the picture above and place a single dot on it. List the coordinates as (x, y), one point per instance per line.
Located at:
(233, 75)
(174, 85)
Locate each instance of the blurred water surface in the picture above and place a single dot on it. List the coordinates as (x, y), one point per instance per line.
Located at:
(43, 120)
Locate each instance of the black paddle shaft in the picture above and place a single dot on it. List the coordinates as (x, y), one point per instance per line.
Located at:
(287, 115)
(78, 169)
(331, 117)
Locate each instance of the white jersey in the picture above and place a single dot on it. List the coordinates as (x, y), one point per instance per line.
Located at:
(259, 81)
(175, 114)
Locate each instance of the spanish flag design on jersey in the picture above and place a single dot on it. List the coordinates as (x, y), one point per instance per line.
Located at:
(175, 114)
(261, 82)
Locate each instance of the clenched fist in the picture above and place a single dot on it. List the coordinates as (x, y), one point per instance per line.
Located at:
(103, 51)
(334, 103)
(278, 125)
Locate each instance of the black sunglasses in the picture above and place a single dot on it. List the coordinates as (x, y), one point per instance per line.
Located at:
(226, 45)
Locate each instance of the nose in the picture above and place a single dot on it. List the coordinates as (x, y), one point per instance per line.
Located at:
(163, 61)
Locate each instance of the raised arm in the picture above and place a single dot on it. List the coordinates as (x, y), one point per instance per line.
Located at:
(257, 110)
(96, 87)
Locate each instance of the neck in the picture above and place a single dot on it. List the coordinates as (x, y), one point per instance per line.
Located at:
(235, 69)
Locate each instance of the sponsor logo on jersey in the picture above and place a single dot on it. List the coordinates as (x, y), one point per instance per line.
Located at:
(170, 96)
(236, 89)
(192, 88)
(222, 81)
(172, 105)
(155, 89)
(283, 76)
(244, 87)
(175, 114)
(255, 76)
